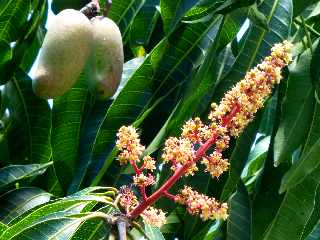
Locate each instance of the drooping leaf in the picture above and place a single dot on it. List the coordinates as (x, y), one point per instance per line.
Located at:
(300, 5)
(255, 163)
(315, 216)
(144, 23)
(239, 221)
(295, 210)
(3, 227)
(58, 228)
(257, 43)
(153, 232)
(61, 208)
(308, 161)
(266, 199)
(35, 15)
(297, 110)
(14, 173)
(16, 202)
(124, 12)
(239, 158)
(315, 234)
(67, 117)
(314, 68)
(29, 136)
(91, 125)
(172, 11)
(95, 228)
(13, 16)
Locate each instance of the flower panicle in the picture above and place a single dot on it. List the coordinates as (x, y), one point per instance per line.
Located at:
(202, 205)
(226, 119)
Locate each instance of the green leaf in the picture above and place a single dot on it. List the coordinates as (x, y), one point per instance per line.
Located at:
(5, 57)
(315, 216)
(61, 207)
(314, 68)
(3, 227)
(205, 78)
(30, 56)
(269, 114)
(266, 199)
(59, 5)
(67, 119)
(29, 136)
(91, 126)
(124, 12)
(257, 17)
(95, 228)
(15, 173)
(295, 210)
(258, 41)
(255, 163)
(59, 228)
(297, 110)
(16, 202)
(56, 228)
(35, 15)
(172, 11)
(239, 158)
(13, 16)
(144, 24)
(301, 168)
(239, 220)
(153, 232)
(300, 5)
(315, 234)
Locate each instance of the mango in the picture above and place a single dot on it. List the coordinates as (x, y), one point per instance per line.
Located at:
(106, 59)
(65, 50)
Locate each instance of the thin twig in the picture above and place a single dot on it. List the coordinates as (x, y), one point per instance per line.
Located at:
(107, 7)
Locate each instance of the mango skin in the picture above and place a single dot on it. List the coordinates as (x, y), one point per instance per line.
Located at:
(106, 60)
(65, 50)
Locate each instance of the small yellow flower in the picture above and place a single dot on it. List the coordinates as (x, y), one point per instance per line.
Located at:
(154, 217)
(202, 205)
(129, 145)
(149, 163)
(143, 180)
(178, 151)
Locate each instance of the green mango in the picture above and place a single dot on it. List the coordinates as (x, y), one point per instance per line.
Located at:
(65, 50)
(59, 5)
(106, 60)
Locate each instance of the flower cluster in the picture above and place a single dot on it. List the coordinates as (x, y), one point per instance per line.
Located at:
(129, 145)
(178, 152)
(153, 216)
(247, 96)
(202, 205)
(199, 142)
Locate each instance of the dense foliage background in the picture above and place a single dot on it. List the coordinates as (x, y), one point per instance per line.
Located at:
(180, 56)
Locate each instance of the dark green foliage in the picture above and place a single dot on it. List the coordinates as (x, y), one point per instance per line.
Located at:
(180, 56)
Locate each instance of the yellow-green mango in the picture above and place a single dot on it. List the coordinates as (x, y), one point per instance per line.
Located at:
(65, 50)
(106, 60)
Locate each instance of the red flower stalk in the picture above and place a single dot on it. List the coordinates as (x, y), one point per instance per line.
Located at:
(229, 118)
